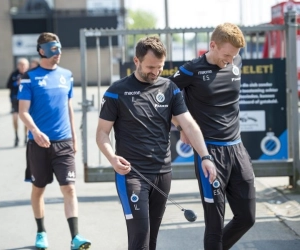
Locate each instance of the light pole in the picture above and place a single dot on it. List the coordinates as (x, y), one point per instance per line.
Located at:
(241, 12)
(168, 37)
(166, 14)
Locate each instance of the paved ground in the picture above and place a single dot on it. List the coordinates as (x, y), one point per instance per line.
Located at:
(277, 222)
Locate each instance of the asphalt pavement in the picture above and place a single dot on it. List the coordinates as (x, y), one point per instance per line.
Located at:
(101, 219)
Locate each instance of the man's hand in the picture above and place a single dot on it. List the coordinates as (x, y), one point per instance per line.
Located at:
(74, 144)
(120, 165)
(209, 169)
(41, 139)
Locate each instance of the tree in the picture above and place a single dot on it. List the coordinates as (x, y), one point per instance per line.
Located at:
(139, 19)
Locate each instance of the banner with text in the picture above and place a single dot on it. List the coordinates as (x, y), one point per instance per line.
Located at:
(263, 118)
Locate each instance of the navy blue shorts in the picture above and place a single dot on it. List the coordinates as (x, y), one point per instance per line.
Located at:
(42, 163)
(14, 106)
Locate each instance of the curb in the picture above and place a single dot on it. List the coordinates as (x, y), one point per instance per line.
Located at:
(281, 201)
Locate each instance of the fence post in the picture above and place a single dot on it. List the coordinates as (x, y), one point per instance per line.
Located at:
(292, 92)
(84, 105)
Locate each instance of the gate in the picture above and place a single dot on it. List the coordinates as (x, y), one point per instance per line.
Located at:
(115, 56)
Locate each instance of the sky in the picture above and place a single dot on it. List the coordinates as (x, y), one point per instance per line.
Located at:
(206, 13)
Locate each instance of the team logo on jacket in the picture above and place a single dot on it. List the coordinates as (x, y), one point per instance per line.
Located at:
(134, 198)
(235, 70)
(160, 97)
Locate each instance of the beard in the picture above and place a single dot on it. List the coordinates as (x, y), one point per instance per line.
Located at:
(147, 77)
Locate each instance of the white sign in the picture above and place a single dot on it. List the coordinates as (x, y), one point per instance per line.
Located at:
(279, 10)
(102, 4)
(24, 45)
(252, 121)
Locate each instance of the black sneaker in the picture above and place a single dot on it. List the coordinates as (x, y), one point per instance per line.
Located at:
(16, 142)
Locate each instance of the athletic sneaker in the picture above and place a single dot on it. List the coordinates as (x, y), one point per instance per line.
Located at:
(41, 241)
(16, 142)
(80, 243)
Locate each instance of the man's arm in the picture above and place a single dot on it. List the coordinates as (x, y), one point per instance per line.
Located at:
(40, 138)
(9, 83)
(72, 124)
(194, 135)
(183, 137)
(119, 164)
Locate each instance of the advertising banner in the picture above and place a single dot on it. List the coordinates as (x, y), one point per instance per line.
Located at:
(263, 118)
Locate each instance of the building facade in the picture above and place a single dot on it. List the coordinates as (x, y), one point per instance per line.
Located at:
(21, 22)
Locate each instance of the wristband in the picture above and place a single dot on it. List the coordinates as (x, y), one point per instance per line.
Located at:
(179, 128)
(207, 157)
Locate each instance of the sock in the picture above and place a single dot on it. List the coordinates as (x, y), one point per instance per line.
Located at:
(40, 225)
(73, 225)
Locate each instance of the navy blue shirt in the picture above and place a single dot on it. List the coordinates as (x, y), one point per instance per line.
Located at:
(13, 85)
(142, 114)
(212, 96)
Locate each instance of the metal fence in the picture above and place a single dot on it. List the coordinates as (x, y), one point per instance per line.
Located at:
(184, 44)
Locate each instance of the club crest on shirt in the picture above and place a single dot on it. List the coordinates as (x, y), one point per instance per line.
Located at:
(235, 70)
(160, 97)
(63, 82)
(62, 79)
